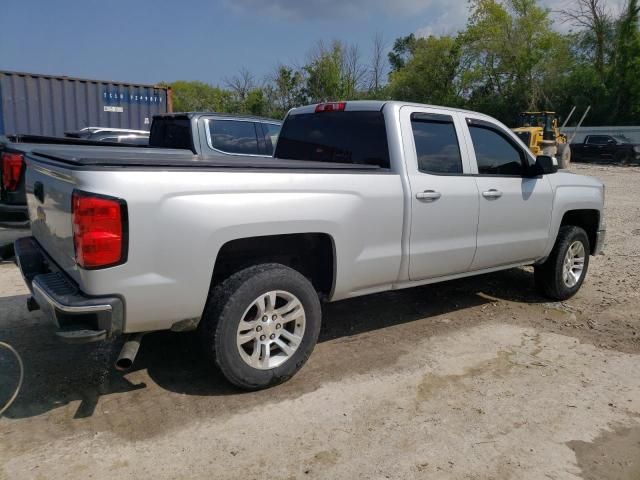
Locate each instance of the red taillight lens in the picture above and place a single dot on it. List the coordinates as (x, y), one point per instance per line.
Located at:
(12, 164)
(331, 107)
(99, 225)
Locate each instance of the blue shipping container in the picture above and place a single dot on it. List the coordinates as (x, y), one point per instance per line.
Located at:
(51, 105)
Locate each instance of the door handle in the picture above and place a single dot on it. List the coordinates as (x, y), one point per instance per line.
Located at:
(492, 194)
(428, 195)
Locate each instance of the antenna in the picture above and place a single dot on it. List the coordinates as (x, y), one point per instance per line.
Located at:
(568, 117)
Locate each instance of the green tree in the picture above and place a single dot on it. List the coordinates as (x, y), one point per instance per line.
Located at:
(285, 90)
(324, 75)
(199, 96)
(596, 30)
(334, 73)
(513, 58)
(624, 78)
(401, 52)
(255, 102)
(431, 74)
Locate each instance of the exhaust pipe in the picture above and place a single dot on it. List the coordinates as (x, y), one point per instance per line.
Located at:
(129, 351)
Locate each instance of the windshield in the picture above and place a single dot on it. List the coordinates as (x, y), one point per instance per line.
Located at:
(622, 139)
(529, 120)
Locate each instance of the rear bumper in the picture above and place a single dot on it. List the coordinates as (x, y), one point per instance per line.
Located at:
(13, 216)
(80, 318)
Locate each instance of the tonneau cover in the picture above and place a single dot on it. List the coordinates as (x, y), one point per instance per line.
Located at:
(105, 157)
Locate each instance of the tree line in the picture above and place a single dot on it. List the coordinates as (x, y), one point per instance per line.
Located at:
(511, 57)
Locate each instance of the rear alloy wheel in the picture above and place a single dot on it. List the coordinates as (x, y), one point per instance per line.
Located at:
(562, 274)
(271, 330)
(261, 325)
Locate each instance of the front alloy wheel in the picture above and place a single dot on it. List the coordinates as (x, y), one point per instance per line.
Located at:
(562, 274)
(573, 266)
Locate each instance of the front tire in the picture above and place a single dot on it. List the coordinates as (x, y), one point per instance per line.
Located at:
(261, 324)
(562, 274)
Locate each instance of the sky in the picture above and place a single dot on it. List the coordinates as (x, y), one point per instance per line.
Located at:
(206, 40)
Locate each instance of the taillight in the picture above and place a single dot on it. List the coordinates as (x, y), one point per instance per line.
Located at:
(331, 107)
(99, 230)
(12, 164)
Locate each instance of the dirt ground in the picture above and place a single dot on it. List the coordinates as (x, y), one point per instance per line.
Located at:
(473, 379)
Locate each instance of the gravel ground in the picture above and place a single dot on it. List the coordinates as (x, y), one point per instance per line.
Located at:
(473, 379)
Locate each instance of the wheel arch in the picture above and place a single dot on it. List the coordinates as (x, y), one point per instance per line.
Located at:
(587, 219)
(311, 253)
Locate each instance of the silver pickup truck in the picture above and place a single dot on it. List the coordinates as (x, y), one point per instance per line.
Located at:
(361, 197)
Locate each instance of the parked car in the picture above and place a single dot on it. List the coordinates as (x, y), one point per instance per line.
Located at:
(606, 148)
(361, 197)
(205, 135)
(116, 135)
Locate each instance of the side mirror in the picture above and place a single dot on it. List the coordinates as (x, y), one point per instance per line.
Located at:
(545, 165)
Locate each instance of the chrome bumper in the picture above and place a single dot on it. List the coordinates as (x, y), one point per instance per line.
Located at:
(80, 318)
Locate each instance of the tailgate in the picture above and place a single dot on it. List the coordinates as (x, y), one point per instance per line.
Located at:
(49, 190)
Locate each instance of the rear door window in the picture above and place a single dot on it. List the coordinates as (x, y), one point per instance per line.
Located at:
(339, 137)
(234, 136)
(437, 147)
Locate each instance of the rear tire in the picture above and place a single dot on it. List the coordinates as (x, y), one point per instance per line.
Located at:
(564, 155)
(260, 325)
(562, 274)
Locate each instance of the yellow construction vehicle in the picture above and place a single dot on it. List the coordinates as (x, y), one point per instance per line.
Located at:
(540, 132)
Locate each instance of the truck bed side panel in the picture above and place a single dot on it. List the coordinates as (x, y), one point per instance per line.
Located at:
(180, 218)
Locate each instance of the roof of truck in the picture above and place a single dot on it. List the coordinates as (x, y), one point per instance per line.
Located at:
(377, 105)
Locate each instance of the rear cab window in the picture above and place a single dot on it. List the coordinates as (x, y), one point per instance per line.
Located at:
(355, 137)
(171, 132)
